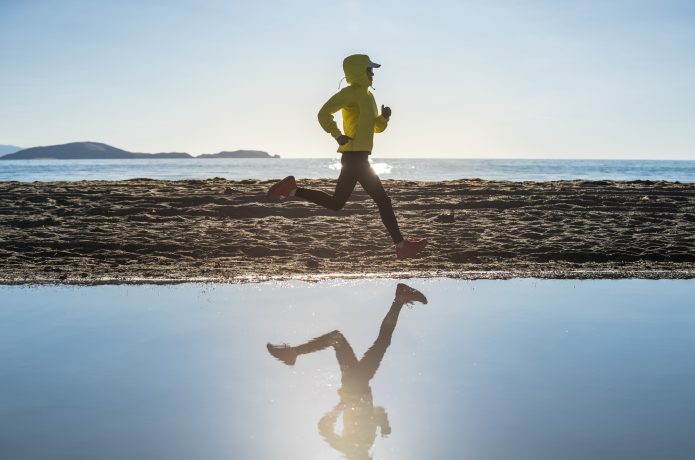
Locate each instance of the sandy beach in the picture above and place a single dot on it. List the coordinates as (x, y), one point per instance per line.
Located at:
(169, 231)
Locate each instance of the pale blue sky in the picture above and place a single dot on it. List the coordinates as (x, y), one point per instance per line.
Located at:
(563, 79)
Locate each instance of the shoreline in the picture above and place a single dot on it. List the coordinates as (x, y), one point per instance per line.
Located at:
(578, 275)
(144, 231)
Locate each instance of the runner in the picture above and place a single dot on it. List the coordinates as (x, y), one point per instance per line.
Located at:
(360, 121)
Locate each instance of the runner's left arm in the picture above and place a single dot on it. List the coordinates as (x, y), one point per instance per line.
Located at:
(336, 102)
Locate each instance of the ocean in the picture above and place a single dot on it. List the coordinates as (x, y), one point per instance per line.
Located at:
(421, 169)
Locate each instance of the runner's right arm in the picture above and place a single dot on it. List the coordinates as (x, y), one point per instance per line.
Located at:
(382, 121)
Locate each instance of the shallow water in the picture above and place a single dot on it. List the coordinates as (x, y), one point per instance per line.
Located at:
(513, 369)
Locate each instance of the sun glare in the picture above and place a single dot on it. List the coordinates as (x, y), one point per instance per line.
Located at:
(379, 168)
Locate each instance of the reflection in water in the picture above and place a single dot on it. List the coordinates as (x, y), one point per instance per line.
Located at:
(360, 418)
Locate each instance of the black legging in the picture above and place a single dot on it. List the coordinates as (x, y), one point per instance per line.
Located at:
(356, 168)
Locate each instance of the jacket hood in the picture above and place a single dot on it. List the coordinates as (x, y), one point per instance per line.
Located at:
(355, 68)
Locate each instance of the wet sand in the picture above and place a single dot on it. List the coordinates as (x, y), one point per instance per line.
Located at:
(219, 230)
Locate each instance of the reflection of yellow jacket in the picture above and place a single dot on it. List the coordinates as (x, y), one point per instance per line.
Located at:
(361, 118)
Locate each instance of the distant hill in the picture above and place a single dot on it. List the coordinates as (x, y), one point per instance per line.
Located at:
(99, 151)
(84, 151)
(239, 154)
(5, 149)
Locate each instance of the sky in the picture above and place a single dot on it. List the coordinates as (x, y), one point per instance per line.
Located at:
(484, 79)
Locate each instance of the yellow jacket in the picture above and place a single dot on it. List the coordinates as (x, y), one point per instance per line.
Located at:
(361, 118)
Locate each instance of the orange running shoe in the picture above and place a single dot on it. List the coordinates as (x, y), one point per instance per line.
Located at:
(282, 189)
(410, 249)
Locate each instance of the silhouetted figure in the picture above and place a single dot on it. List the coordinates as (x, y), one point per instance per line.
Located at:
(361, 120)
(360, 417)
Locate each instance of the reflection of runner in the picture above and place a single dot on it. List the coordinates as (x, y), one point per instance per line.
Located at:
(360, 417)
(360, 121)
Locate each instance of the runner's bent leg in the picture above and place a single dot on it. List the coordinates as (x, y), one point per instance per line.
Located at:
(343, 189)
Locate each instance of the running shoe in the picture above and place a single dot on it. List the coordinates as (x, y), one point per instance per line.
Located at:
(284, 353)
(283, 188)
(410, 249)
(407, 295)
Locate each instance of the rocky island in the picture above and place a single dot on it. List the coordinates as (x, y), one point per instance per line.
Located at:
(99, 151)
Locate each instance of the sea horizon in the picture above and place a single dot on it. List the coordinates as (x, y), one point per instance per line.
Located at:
(418, 169)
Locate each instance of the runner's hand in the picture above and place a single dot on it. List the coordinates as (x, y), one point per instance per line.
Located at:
(343, 139)
(385, 111)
